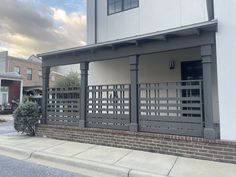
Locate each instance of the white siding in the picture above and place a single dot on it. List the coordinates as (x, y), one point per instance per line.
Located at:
(225, 12)
(151, 16)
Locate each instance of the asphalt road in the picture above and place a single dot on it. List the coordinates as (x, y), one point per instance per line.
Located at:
(15, 168)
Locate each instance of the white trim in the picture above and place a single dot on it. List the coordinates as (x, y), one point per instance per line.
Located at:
(21, 91)
(11, 79)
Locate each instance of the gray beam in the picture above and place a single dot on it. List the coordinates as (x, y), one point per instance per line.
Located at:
(206, 55)
(83, 93)
(45, 72)
(134, 62)
(210, 9)
(106, 53)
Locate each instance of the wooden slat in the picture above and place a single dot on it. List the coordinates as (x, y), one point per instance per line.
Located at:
(171, 99)
(149, 111)
(62, 113)
(108, 104)
(187, 105)
(195, 87)
(172, 125)
(108, 109)
(170, 119)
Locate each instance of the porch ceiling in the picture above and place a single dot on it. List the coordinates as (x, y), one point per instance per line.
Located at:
(173, 39)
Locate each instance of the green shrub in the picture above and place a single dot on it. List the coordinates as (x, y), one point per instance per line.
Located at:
(70, 80)
(26, 117)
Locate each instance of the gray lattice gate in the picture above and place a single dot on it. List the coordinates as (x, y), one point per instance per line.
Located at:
(63, 105)
(108, 107)
(172, 108)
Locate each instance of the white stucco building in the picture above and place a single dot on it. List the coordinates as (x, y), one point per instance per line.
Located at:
(156, 42)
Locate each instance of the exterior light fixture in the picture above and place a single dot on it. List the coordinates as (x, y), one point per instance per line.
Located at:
(172, 64)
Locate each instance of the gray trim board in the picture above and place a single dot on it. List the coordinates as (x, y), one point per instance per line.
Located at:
(83, 93)
(134, 63)
(96, 22)
(184, 30)
(107, 53)
(45, 72)
(210, 9)
(207, 54)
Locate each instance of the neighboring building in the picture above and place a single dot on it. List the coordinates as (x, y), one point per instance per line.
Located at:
(11, 83)
(30, 70)
(11, 89)
(161, 66)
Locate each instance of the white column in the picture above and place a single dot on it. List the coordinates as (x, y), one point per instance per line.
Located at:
(21, 91)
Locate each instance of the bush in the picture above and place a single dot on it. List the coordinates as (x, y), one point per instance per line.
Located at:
(26, 117)
(70, 80)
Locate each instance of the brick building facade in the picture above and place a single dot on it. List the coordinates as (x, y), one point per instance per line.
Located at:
(29, 69)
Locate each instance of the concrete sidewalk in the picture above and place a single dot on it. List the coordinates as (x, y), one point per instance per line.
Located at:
(102, 161)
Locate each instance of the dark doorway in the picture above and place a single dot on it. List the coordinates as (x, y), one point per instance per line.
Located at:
(191, 74)
(191, 70)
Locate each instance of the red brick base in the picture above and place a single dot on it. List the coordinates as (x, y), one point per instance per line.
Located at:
(215, 150)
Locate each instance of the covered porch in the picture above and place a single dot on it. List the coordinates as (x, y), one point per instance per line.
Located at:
(160, 83)
(11, 89)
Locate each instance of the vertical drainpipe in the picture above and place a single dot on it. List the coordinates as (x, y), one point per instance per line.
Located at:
(95, 26)
(210, 9)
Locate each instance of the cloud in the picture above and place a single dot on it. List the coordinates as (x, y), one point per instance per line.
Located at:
(26, 29)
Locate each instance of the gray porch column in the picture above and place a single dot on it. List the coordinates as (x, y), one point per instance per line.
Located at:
(134, 62)
(207, 54)
(45, 72)
(83, 93)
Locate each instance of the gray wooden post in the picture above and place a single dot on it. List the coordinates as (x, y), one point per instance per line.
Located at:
(83, 93)
(134, 62)
(207, 54)
(45, 72)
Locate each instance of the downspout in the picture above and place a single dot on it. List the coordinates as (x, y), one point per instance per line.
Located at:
(95, 26)
(210, 9)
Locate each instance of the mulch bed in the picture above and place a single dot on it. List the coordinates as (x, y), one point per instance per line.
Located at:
(2, 120)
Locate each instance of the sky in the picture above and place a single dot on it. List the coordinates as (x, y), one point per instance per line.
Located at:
(30, 27)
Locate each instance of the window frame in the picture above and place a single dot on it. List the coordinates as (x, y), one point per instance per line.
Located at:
(40, 74)
(122, 8)
(18, 68)
(27, 74)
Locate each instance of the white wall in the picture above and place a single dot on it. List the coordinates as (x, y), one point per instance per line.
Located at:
(152, 68)
(225, 12)
(151, 16)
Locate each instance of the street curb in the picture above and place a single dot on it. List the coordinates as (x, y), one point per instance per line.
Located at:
(87, 165)
(136, 173)
(84, 165)
(14, 152)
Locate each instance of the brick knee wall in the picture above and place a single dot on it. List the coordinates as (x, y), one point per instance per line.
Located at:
(199, 148)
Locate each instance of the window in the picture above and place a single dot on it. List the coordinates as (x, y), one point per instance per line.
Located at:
(115, 6)
(129, 4)
(40, 74)
(29, 74)
(17, 69)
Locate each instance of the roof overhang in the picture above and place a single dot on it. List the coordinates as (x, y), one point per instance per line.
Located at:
(10, 76)
(115, 49)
